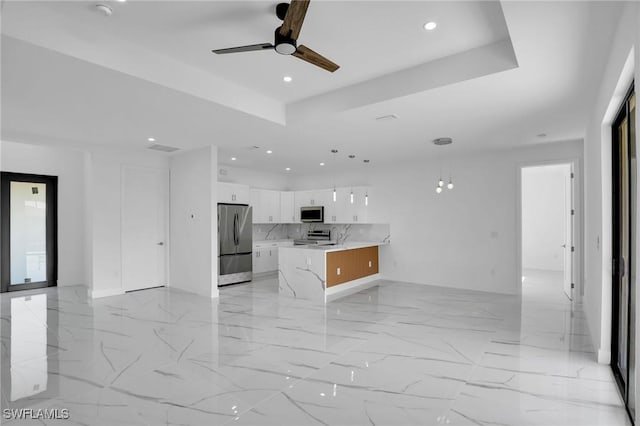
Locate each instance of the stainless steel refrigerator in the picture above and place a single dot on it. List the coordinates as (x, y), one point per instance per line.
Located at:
(235, 244)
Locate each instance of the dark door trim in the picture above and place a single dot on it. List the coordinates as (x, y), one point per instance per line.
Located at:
(5, 227)
(622, 378)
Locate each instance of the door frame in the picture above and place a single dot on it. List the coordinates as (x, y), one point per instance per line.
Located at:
(5, 229)
(575, 163)
(623, 383)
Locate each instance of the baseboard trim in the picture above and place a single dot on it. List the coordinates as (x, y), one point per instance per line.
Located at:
(604, 357)
(97, 294)
(351, 287)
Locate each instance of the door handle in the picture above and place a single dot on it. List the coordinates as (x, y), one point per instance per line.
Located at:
(160, 243)
(564, 246)
(622, 267)
(235, 229)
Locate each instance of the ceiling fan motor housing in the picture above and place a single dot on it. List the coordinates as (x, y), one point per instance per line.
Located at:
(285, 45)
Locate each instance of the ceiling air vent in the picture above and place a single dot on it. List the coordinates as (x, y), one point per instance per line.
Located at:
(163, 148)
(389, 117)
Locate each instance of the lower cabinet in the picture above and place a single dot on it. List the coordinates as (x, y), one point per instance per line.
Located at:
(265, 259)
(348, 265)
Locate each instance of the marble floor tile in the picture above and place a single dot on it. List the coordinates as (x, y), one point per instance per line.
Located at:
(392, 354)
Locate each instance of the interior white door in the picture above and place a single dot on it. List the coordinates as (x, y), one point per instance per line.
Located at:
(568, 232)
(143, 228)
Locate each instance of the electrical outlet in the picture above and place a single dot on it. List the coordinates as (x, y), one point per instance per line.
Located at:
(370, 264)
(308, 260)
(338, 271)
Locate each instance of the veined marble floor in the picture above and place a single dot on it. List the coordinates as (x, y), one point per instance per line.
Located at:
(395, 354)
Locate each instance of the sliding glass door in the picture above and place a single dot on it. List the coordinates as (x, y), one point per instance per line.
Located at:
(624, 250)
(28, 216)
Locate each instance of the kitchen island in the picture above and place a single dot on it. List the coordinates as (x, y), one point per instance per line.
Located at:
(322, 272)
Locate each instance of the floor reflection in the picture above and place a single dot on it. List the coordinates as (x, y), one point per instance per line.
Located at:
(28, 346)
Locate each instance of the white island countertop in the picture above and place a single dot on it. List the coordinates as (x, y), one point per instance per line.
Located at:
(336, 247)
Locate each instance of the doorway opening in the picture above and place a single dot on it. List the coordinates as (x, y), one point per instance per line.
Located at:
(623, 280)
(29, 234)
(547, 232)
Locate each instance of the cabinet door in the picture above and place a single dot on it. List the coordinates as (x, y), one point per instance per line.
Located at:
(301, 199)
(341, 267)
(225, 192)
(258, 207)
(272, 201)
(242, 194)
(233, 193)
(260, 260)
(287, 207)
(359, 211)
(273, 258)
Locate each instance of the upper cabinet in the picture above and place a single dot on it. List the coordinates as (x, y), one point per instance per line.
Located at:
(317, 197)
(266, 206)
(271, 206)
(233, 193)
(348, 208)
(287, 207)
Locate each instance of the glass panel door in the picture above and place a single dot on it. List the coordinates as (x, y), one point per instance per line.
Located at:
(28, 232)
(28, 214)
(625, 189)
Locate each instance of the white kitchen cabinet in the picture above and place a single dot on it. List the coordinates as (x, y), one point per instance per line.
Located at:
(233, 193)
(266, 206)
(316, 197)
(287, 207)
(344, 211)
(357, 212)
(265, 257)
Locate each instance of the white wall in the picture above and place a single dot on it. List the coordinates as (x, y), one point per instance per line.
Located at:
(543, 217)
(194, 238)
(68, 165)
(617, 76)
(105, 178)
(464, 238)
(253, 178)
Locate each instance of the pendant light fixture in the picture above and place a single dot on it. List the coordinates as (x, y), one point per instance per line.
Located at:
(366, 194)
(335, 194)
(351, 199)
(440, 185)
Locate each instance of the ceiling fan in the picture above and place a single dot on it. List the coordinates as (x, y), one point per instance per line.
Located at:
(286, 37)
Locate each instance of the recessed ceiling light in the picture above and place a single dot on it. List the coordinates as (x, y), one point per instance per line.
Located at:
(541, 135)
(233, 158)
(287, 79)
(288, 169)
(269, 151)
(429, 26)
(151, 139)
(322, 164)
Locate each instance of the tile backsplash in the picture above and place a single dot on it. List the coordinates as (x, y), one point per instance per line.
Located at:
(339, 232)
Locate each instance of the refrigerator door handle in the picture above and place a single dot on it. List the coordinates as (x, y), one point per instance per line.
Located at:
(235, 229)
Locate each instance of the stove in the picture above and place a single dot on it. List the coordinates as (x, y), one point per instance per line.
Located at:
(316, 237)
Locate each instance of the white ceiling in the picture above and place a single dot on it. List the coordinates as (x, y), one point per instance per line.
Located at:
(71, 76)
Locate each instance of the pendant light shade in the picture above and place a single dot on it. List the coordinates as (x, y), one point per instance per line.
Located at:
(450, 184)
(440, 183)
(366, 199)
(351, 196)
(438, 189)
(335, 195)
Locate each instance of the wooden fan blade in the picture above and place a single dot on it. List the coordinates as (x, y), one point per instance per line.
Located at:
(306, 54)
(249, 48)
(294, 18)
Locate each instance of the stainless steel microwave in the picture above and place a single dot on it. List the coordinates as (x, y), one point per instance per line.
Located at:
(312, 214)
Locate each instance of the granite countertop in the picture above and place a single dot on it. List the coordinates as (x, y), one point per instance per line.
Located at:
(337, 247)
